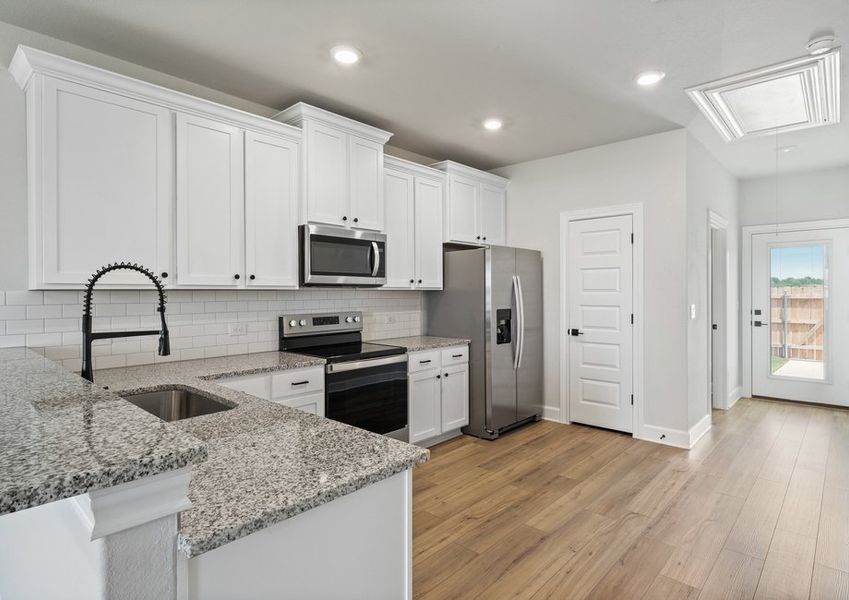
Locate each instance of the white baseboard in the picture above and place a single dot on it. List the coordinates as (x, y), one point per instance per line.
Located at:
(551, 413)
(699, 429)
(665, 435)
(735, 395)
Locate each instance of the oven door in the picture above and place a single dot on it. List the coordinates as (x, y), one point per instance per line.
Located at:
(369, 394)
(336, 256)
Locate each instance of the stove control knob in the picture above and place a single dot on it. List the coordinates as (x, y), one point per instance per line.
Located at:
(302, 322)
(293, 323)
(349, 319)
(356, 319)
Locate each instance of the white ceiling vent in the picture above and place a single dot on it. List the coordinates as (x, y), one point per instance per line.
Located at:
(801, 93)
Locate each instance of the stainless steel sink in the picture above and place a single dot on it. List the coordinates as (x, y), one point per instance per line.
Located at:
(176, 404)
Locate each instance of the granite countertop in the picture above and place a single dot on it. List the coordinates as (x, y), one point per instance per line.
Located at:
(423, 342)
(266, 462)
(60, 436)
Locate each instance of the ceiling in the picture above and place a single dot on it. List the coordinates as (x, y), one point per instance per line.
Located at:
(560, 72)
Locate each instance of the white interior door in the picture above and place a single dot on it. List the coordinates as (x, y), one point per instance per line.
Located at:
(600, 284)
(719, 320)
(800, 315)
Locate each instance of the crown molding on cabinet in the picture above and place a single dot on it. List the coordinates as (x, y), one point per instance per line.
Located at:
(413, 168)
(297, 113)
(29, 62)
(455, 168)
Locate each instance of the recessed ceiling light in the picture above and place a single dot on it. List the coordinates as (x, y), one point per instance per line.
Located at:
(493, 124)
(821, 45)
(346, 55)
(787, 149)
(647, 78)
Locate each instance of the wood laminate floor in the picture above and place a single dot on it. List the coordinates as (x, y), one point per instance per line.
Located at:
(758, 509)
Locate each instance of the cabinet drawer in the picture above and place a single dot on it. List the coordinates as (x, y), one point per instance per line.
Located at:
(311, 403)
(423, 361)
(299, 381)
(455, 356)
(255, 385)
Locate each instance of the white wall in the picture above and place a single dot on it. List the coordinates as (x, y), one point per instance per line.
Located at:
(650, 170)
(709, 187)
(807, 196)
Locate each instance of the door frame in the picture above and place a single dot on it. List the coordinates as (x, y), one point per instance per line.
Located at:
(635, 210)
(716, 221)
(746, 303)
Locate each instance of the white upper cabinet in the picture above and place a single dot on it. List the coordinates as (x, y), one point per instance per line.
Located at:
(271, 210)
(112, 158)
(100, 185)
(413, 195)
(210, 202)
(475, 206)
(343, 168)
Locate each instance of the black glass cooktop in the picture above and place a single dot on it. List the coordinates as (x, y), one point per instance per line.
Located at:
(352, 351)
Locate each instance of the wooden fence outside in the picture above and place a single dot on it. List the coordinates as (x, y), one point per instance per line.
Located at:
(796, 318)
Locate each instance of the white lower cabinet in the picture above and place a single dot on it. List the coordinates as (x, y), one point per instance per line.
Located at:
(297, 388)
(438, 393)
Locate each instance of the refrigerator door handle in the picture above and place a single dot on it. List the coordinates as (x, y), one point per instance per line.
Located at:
(517, 340)
(521, 322)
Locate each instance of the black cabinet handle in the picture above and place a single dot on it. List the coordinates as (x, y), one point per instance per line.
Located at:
(236, 276)
(479, 237)
(484, 238)
(439, 376)
(412, 281)
(252, 277)
(456, 356)
(420, 280)
(300, 382)
(446, 375)
(344, 218)
(356, 220)
(424, 362)
(164, 275)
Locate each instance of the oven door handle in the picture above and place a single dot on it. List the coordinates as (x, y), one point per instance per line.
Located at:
(375, 253)
(365, 364)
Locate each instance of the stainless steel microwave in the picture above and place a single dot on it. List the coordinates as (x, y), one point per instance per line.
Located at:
(337, 256)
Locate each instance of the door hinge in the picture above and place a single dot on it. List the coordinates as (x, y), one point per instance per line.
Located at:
(632, 399)
(632, 238)
(632, 318)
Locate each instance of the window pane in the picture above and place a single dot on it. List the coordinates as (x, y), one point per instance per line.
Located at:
(797, 311)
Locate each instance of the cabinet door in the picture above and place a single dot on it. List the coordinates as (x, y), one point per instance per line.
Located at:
(327, 174)
(424, 405)
(455, 397)
(366, 184)
(398, 198)
(463, 210)
(493, 205)
(311, 403)
(210, 202)
(271, 211)
(428, 233)
(104, 173)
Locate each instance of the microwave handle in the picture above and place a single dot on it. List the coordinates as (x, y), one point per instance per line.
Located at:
(375, 258)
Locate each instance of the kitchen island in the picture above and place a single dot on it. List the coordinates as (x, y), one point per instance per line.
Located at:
(283, 498)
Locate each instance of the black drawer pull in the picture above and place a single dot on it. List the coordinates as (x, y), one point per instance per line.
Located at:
(456, 356)
(424, 362)
(300, 382)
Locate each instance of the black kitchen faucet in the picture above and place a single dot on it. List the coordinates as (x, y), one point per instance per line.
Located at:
(89, 336)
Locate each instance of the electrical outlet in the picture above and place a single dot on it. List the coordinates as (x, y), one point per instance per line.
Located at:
(234, 329)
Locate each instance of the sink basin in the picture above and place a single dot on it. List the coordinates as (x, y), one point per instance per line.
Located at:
(176, 404)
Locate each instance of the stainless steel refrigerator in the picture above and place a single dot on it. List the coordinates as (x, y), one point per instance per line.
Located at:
(493, 296)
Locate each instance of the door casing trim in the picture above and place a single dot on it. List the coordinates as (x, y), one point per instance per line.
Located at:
(638, 348)
(746, 304)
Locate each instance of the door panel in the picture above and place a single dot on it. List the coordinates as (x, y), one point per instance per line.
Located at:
(600, 284)
(271, 211)
(492, 215)
(210, 202)
(529, 375)
(425, 406)
(455, 397)
(428, 233)
(327, 176)
(463, 210)
(398, 197)
(799, 322)
(366, 184)
(107, 185)
(501, 382)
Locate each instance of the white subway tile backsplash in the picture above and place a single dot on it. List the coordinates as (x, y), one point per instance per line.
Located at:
(198, 320)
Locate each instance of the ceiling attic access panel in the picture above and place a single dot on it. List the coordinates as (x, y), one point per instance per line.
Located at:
(797, 94)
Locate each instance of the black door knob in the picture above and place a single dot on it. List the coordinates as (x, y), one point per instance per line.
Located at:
(164, 275)
(236, 276)
(252, 277)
